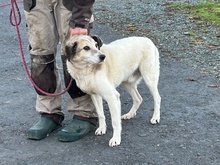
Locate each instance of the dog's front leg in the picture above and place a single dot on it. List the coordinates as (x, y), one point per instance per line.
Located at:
(114, 104)
(97, 101)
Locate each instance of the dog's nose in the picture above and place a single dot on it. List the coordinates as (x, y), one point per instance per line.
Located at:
(102, 57)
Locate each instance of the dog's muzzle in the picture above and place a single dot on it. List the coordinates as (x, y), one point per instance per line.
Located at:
(102, 57)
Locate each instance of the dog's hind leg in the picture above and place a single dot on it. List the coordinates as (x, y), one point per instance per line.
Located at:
(151, 78)
(131, 88)
(97, 101)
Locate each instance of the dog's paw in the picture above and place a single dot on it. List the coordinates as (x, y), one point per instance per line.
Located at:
(155, 120)
(128, 116)
(114, 142)
(100, 131)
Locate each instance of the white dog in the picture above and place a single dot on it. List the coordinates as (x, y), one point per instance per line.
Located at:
(98, 69)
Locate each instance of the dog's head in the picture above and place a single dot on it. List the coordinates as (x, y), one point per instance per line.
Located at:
(84, 49)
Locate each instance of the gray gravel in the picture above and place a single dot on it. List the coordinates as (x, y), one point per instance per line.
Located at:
(175, 33)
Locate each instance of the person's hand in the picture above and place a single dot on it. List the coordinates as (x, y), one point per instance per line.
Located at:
(78, 31)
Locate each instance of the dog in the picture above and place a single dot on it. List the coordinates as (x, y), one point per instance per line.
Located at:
(99, 68)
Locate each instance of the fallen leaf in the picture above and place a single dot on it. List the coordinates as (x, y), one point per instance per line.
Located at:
(213, 45)
(197, 37)
(203, 72)
(213, 86)
(197, 42)
(191, 18)
(131, 29)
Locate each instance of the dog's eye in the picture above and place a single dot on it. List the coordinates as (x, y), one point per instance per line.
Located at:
(96, 45)
(86, 48)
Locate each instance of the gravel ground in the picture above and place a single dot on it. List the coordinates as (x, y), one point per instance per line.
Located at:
(169, 29)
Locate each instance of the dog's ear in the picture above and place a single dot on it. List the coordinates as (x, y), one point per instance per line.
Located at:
(70, 50)
(98, 40)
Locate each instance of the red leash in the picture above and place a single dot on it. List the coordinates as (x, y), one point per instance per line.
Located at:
(16, 24)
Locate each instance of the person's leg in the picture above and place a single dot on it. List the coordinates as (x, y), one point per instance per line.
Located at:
(43, 39)
(80, 104)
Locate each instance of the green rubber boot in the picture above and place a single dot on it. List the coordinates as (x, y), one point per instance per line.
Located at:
(75, 130)
(42, 128)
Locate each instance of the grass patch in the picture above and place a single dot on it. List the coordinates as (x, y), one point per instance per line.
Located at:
(208, 11)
